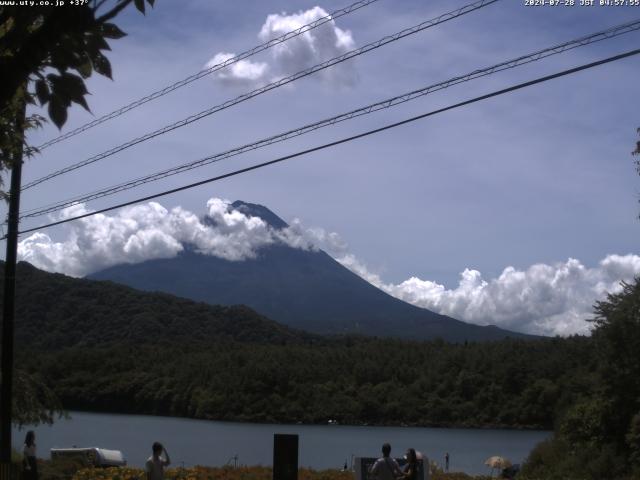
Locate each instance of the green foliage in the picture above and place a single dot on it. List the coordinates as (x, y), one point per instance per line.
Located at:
(633, 441)
(617, 337)
(55, 311)
(558, 459)
(309, 383)
(599, 435)
(45, 38)
(60, 469)
(34, 402)
(586, 422)
(46, 52)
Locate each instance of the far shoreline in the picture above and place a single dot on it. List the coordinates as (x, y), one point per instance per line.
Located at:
(294, 424)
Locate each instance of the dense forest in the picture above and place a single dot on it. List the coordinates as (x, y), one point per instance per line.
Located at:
(352, 380)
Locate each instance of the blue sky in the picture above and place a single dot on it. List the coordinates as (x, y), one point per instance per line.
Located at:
(535, 177)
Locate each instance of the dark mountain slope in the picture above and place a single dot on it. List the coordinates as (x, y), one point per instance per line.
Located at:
(304, 289)
(55, 311)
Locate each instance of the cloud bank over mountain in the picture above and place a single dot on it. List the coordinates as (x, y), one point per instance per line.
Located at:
(544, 299)
(549, 299)
(308, 49)
(149, 231)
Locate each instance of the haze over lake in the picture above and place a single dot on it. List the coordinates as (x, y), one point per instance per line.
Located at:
(200, 442)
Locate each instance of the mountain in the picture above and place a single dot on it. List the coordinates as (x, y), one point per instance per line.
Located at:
(305, 289)
(54, 311)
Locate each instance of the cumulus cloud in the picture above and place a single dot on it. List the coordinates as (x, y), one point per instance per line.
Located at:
(305, 50)
(542, 299)
(243, 72)
(149, 231)
(554, 299)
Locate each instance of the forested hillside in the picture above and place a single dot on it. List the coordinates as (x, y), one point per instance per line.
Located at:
(106, 347)
(54, 311)
(510, 383)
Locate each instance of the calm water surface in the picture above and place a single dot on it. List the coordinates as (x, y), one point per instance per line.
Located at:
(201, 442)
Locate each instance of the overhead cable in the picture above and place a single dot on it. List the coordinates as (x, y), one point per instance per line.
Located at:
(209, 70)
(390, 102)
(339, 142)
(271, 86)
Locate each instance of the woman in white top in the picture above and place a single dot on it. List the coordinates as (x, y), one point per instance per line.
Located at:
(29, 462)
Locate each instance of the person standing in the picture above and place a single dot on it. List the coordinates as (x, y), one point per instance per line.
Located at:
(411, 468)
(154, 467)
(386, 468)
(29, 461)
(446, 462)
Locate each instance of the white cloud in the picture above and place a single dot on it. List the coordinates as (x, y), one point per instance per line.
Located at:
(310, 48)
(243, 72)
(543, 299)
(151, 231)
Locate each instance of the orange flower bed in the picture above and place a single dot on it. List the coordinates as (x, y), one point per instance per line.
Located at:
(206, 473)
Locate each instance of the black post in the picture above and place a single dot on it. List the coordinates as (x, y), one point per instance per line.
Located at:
(285, 457)
(8, 307)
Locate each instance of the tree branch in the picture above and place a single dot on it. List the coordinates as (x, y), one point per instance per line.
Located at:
(114, 11)
(97, 5)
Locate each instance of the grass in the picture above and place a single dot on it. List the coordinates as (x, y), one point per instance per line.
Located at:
(72, 470)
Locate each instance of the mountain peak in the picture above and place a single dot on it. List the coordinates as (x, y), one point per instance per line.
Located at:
(252, 210)
(260, 211)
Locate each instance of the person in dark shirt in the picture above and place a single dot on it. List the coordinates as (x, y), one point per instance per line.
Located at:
(410, 471)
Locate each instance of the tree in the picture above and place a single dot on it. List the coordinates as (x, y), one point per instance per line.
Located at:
(599, 435)
(46, 53)
(33, 401)
(617, 337)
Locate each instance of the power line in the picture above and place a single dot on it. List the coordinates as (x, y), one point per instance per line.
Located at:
(343, 140)
(271, 86)
(388, 103)
(208, 71)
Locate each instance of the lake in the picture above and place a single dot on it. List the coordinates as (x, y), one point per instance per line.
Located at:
(192, 442)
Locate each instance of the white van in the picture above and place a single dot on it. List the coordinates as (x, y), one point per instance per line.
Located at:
(98, 457)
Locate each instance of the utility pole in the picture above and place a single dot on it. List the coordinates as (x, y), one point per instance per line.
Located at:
(8, 307)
